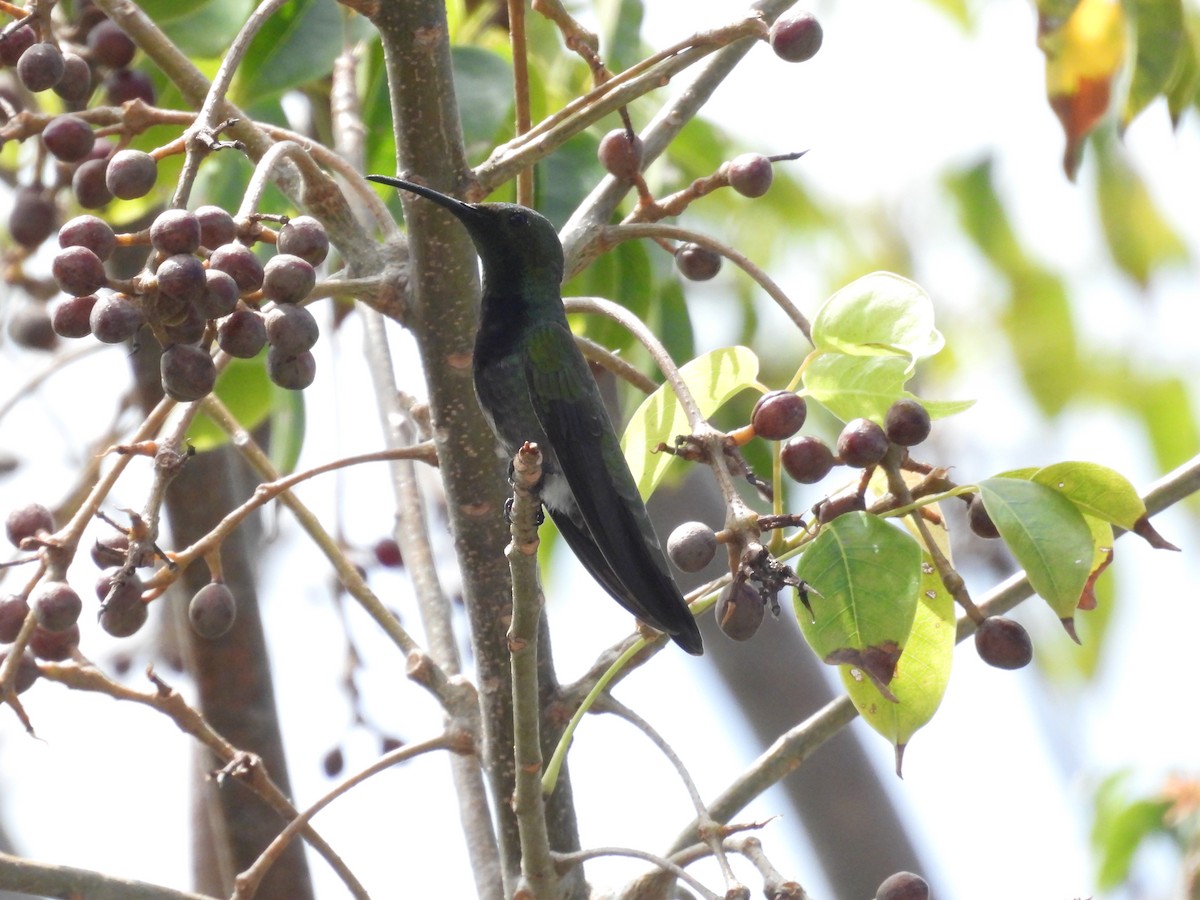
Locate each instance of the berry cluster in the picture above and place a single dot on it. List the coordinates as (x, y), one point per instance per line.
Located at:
(206, 283)
(123, 608)
(807, 459)
(202, 284)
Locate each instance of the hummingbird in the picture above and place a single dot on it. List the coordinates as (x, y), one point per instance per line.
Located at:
(533, 384)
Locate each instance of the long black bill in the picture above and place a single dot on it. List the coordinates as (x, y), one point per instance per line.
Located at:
(458, 207)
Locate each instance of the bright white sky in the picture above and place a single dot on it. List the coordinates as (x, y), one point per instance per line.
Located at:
(997, 785)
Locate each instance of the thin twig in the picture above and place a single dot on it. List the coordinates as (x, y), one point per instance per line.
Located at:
(246, 883)
(709, 829)
(166, 700)
(615, 234)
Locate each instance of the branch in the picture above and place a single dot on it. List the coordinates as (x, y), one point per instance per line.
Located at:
(67, 882)
(537, 871)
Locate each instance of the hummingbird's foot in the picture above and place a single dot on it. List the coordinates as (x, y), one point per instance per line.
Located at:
(508, 505)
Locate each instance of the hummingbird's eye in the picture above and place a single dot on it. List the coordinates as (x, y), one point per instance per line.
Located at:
(518, 219)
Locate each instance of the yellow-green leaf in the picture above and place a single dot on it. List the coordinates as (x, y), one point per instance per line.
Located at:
(712, 378)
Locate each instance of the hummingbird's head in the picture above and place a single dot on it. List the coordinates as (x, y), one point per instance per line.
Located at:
(512, 241)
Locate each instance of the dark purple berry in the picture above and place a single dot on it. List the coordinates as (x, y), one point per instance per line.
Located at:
(110, 550)
(697, 263)
(806, 459)
(110, 46)
(91, 232)
(796, 37)
(291, 329)
(124, 85)
(387, 553)
(305, 237)
(216, 226)
(906, 423)
(979, 520)
(32, 219)
(26, 674)
(89, 185)
(181, 277)
(187, 329)
(56, 605)
(15, 43)
(333, 763)
(131, 174)
(40, 67)
(293, 373)
(740, 610)
(903, 886)
(750, 174)
(778, 415)
(115, 318)
(242, 333)
(68, 138)
(212, 610)
(122, 611)
(54, 646)
(29, 326)
(619, 155)
(187, 371)
(287, 278)
(220, 295)
(26, 521)
(239, 261)
(75, 86)
(71, 316)
(78, 271)
(862, 443)
(692, 546)
(13, 610)
(175, 231)
(1003, 643)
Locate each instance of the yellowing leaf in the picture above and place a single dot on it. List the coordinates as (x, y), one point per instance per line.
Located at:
(922, 673)
(712, 378)
(1083, 57)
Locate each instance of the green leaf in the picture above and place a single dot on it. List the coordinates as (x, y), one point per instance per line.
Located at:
(296, 45)
(207, 29)
(865, 386)
(880, 313)
(1121, 825)
(1161, 41)
(623, 275)
(287, 428)
(1139, 238)
(1047, 535)
(244, 388)
(1187, 78)
(712, 378)
(621, 27)
(1095, 490)
(164, 11)
(865, 575)
(922, 673)
(483, 84)
(1041, 334)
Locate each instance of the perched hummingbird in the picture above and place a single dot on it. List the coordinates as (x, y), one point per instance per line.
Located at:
(533, 384)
